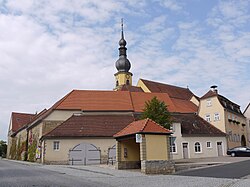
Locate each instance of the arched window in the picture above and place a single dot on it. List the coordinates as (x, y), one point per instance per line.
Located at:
(117, 83)
(197, 147)
(127, 82)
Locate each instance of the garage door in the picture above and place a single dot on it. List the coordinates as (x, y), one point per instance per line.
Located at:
(84, 154)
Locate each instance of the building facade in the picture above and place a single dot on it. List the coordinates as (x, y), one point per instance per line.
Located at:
(224, 115)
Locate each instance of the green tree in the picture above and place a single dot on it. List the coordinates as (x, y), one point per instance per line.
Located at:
(3, 148)
(157, 110)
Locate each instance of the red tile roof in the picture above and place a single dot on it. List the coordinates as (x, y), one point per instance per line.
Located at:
(88, 100)
(91, 126)
(209, 94)
(172, 91)
(184, 106)
(19, 120)
(194, 125)
(130, 88)
(142, 126)
(139, 99)
(120, 101)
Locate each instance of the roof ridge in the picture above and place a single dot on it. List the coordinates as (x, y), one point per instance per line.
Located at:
(159, 125)
(166, 84)
(132, 103)
(126, 127)
(145, 124)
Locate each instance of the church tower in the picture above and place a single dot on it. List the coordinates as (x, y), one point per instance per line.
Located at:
(123, 76)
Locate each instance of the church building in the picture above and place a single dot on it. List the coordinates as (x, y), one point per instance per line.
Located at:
(84, 126)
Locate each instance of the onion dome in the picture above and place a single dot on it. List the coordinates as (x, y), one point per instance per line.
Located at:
(122, 64)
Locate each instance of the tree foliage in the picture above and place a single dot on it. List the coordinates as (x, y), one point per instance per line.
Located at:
(3, 148)
(157, 110)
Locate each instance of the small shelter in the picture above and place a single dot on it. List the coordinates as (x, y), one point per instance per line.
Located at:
(144, 144)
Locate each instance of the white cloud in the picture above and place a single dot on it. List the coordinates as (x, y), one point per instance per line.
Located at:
(172, 5)
(48, 48)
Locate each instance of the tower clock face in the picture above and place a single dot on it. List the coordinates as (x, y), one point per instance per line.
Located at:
(127, 76)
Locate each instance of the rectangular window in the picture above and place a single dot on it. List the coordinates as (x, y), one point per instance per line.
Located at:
(207, 117)
(209, 102)
(216, 117)
(56, 145)
(209, 145)
(173, 148)
(229, 116)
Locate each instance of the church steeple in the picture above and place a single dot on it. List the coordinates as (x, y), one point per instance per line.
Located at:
(123, 76)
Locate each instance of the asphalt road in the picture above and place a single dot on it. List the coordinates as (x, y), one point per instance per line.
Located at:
(235, 170)
(16, 174)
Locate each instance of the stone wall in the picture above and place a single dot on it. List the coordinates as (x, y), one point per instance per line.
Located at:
(128, 165)
(157, 167)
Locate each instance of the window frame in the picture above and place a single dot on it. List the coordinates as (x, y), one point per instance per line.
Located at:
(216, 116)
(209, 147)
(209, 102)
(208, 117)
(197, 147)
(56, 145)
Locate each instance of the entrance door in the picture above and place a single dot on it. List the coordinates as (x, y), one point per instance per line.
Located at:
(219, 149)
(185, 150)
(84, 154)
(243, 141)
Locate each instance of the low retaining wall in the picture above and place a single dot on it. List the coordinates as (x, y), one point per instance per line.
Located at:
(128, 165)
(157, 167)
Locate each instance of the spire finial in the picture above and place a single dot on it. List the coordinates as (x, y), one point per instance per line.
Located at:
(122, 28)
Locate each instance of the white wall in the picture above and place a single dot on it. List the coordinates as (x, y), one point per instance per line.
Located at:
(205, 152)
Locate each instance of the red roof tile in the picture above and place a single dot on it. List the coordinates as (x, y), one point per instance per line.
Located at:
(19, 120)
(142, 126)
(91, 126)
(139, 99)
(210, 93)
(97, 101)
(172, 91)
(184, 106)
(130, 88)
(194, 125)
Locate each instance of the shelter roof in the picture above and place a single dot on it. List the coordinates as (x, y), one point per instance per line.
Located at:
(142, 126)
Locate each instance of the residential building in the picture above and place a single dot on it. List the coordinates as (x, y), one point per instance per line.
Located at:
(196, 138)
(224, 115)
(247, 115)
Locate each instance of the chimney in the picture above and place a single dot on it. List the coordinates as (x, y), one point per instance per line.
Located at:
(214, 89)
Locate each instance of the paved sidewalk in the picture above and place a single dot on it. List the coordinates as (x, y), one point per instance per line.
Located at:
(108, 176)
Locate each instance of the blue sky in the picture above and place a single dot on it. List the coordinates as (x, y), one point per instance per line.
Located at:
(48, 48)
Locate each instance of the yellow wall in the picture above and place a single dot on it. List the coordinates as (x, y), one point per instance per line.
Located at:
(215, 107)
(133, 150)
(122, 78)
(156, 147)
(143, 86)
(223, 124)
(195, 101)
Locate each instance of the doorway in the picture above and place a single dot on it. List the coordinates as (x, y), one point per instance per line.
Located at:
(219, 149)
(185, 150)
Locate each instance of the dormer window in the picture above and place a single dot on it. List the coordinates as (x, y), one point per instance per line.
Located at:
(209, 102)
